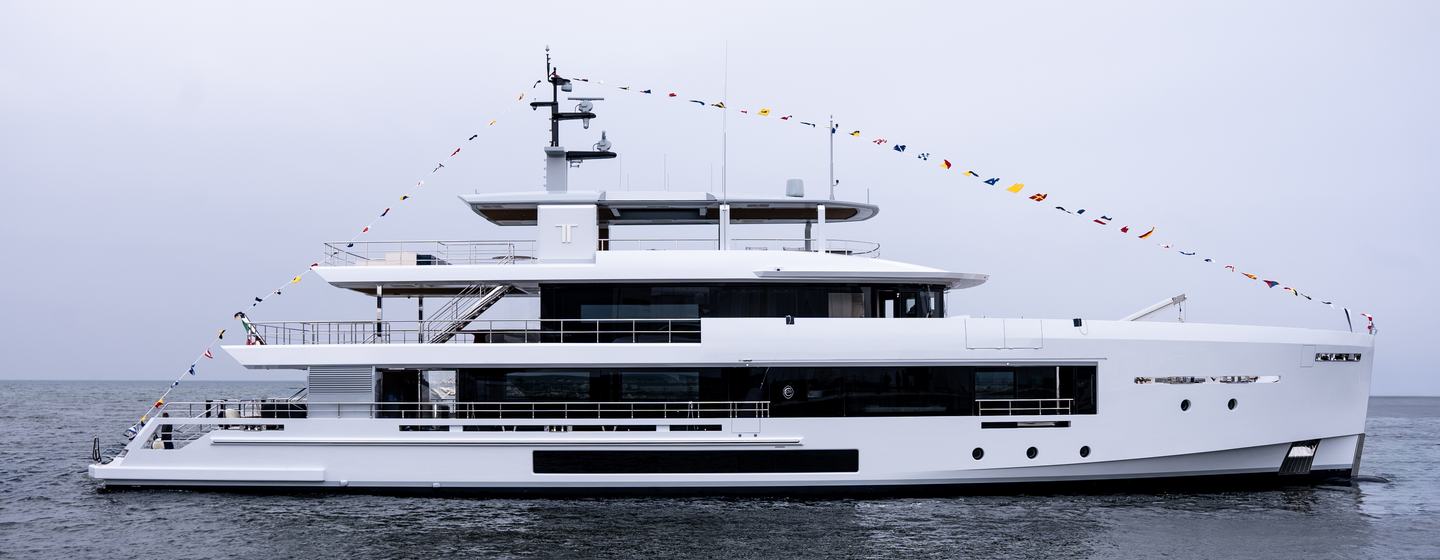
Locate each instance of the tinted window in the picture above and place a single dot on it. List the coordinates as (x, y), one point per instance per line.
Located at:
(563, 301)
(995, 384)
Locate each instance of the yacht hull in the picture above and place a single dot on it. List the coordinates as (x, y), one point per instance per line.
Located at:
(1258, 403)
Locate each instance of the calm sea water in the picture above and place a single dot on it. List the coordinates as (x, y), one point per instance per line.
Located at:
(50, 509)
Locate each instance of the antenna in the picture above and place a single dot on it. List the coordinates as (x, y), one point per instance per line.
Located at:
(558, 160)
(725, 128)
(832, 157)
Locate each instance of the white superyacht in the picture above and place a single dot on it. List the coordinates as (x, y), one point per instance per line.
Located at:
(736, 364)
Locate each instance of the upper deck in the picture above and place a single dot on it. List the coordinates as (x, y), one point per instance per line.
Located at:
(418, 268)
(669, 208)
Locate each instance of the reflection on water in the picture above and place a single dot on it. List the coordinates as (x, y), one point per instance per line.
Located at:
(49, 509)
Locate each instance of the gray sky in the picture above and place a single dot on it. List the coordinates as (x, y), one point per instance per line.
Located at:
(164, 162)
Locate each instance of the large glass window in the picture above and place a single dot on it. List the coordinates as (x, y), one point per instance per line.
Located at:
(564, 301)
(547, 386)
(649, 385)
(795, 391)
(990, 384)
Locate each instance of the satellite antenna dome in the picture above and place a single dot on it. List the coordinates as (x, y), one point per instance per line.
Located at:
(795, 188)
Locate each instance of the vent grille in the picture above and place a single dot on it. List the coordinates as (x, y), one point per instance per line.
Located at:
(331, 381)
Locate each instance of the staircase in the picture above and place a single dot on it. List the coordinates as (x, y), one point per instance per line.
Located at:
(465, 307)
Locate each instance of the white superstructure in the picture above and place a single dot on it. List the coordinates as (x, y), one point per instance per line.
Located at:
(726, 362)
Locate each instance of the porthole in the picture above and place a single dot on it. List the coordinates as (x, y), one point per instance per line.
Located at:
(978, 454)
(1032, 452)
(1185, 405)
(1084, 451)
(1231, 405)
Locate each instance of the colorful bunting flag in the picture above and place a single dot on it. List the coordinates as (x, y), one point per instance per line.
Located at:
(718, 104)
(209, 355)
(945, 164)
(1102, 220)
(1038, 197)
(1015, 188)
(295, 280)
(404, 197)
(972, 174)
(764, 112)
(899, 147)
(1124, 229)
(474, 136)
(382, 214)
(1148, 233)
(855, 133)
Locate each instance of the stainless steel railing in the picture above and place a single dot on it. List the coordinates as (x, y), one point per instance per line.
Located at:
(835, 246)
(242, 413)
(524, 331)
(435, 253)
(422, 253)
(1022, 407)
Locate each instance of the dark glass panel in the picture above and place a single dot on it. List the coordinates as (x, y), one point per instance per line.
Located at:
(1035, 382)
(651, 385)
(994, 384)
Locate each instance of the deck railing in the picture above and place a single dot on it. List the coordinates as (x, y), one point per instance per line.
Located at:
(423, 253)
(242, 414)
(434, 253)
(1022, 407)
(529, 331)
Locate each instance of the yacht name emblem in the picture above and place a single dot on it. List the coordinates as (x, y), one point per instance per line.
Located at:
(567, 234)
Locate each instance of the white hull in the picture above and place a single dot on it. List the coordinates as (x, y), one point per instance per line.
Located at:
(1138, 432)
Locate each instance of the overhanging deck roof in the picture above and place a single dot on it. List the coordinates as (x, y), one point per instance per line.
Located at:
(640, 208)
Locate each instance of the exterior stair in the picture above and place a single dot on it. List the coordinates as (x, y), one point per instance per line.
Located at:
(464, 308)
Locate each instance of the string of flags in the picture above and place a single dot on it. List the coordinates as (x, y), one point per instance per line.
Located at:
(1104, 220)
(252, 337)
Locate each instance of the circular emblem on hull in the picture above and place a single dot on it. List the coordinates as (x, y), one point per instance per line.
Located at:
(788, 392)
